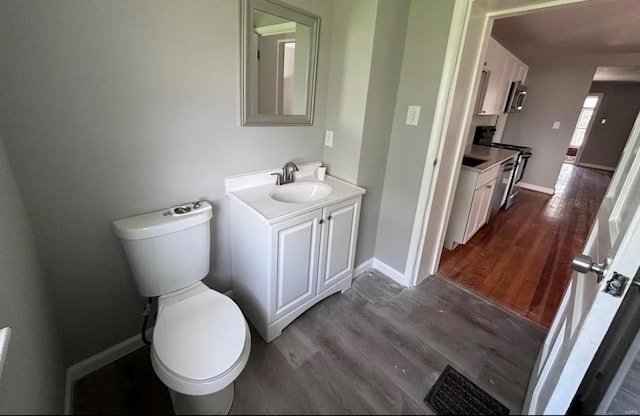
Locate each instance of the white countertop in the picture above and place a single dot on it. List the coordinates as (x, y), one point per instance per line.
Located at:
(253, 190)
(492, 155)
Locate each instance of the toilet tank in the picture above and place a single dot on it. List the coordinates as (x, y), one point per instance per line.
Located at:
(168, 249)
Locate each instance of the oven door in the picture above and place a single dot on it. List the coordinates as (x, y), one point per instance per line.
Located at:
(522, 165)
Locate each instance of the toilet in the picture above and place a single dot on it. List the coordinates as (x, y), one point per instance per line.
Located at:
(201, 341)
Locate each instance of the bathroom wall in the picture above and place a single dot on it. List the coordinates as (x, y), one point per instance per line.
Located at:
(32, 380)
(353, 30)
(423, 59)
(366, 55)
(111, 109)
(386, 61)
(620, 105)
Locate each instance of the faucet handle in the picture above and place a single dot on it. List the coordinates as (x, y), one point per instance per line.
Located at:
(278, 177)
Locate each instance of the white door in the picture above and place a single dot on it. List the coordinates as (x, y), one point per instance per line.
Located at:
(295, 261)
(587, 310)
(340, 228)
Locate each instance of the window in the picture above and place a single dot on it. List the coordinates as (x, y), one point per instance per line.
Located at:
(582, 125)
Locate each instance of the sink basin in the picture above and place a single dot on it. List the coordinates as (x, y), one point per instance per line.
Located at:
(301, 192)
(472, 161)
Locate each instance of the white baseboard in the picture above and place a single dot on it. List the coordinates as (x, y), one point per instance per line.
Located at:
(389, 271)
(590, 165)
(97, 361)
(537, 188)
(363, 267)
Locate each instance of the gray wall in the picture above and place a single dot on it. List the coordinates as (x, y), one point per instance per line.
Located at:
(351, 50)
(111, 109)
(620, 105)
(627, 399)
(33, 377)
(386, 61)
(422, 63)
(557, 89)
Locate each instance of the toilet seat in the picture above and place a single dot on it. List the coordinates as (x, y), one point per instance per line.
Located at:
(201, 341)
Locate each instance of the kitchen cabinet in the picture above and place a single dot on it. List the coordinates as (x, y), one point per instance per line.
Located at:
(282, 269)
(479, 212)
(501, 67)
(471, 204)
(495, 64)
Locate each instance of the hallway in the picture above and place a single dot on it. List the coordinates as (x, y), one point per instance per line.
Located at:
(521, 259)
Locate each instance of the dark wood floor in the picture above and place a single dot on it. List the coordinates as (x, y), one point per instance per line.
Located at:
(522, 258)
(376, 349)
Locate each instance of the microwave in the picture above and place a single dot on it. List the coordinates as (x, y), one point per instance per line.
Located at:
(516, 97)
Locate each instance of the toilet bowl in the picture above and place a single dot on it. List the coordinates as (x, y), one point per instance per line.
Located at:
(201, 341)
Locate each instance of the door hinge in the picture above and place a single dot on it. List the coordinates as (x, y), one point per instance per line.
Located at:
(616, 285)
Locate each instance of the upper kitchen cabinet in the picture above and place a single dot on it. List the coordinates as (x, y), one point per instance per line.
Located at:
(501, 67)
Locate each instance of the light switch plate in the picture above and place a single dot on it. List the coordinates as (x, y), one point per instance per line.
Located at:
(413, 114)
(556, 125)
(328, 138)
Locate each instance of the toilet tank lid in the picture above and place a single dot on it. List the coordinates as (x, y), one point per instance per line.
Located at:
(154, 224)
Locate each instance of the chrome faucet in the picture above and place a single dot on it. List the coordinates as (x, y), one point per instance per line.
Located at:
(287, 175)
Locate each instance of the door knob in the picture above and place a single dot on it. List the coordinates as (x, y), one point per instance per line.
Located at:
(583, 264)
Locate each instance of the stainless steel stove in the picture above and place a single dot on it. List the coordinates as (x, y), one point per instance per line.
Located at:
(484, 136)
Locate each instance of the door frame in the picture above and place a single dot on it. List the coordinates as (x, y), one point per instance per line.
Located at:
(469, 34)
(587, 132)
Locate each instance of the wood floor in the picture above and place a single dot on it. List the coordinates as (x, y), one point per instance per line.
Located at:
(522, 258)
(376, 349)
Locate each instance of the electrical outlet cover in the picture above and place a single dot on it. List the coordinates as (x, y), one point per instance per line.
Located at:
(413, 114)
(328, 138)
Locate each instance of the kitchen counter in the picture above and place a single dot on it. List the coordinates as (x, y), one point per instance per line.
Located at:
(254, 189)
(492, 155)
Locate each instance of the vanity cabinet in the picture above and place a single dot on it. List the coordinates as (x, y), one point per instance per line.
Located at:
(471, 205)
(282, 269)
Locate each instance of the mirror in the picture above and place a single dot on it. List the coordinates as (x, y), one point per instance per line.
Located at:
(279, 57)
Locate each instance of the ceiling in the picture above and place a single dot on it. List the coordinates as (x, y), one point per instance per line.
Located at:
(591, 27)
(618, 73)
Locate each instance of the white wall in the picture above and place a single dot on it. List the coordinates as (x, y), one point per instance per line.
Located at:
(620, 105)
(558, 86)
(33, 376)
(110, 109)
(420, 76)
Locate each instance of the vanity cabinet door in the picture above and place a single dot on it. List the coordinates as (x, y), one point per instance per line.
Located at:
(339, 232)
(294, 262)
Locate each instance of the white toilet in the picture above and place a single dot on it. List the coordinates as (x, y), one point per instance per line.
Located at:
(201, 341)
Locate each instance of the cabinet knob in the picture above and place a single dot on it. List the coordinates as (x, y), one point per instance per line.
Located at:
(321, 221)
(329, 218)
(489, 186)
